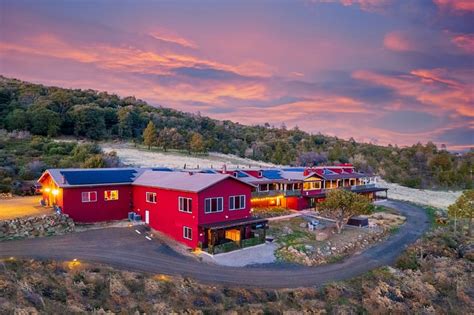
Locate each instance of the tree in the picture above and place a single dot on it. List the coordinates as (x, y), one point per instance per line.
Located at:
(197, 143)
(463, 208)
(44, 122)
(149, 135)
(17, 120)
(344, 204)
(164, 138)
(89, 121)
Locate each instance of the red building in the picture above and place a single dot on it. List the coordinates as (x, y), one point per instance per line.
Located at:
(89, 195)
(196, 209)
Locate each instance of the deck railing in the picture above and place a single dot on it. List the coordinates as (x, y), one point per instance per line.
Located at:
(274, 193)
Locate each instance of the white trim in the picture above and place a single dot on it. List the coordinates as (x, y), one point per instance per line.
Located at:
(190, 233)
(148, 193)
(210, 200)
(189, 202)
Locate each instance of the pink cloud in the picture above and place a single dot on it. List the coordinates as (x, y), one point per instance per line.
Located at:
(171, 37)
(456, 5)
(398, 41)
(465, 42)
(440, 89)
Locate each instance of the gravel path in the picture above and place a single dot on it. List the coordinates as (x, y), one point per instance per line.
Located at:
(126, 249)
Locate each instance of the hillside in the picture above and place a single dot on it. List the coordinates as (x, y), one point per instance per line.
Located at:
(53, 111)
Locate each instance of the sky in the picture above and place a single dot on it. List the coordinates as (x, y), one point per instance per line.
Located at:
(381, 71)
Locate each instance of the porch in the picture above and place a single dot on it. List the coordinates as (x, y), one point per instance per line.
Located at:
(230, 235)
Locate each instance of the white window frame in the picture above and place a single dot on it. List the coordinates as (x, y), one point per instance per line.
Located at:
(188, 201)
(149, 193)
(185, 229)
(88, 194)
(232, 202)
(210, 204)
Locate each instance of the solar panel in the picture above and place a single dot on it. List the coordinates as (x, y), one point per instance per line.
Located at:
(162, 169)
(94, 177)
(272, 174)
(294, 169)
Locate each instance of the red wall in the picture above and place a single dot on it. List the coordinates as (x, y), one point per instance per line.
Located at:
(165, 215)
(295, 203)
(100, 210)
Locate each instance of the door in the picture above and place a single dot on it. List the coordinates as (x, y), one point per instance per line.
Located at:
(147, 217)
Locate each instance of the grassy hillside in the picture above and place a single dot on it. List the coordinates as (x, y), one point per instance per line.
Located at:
(52, 111)
(432, 277)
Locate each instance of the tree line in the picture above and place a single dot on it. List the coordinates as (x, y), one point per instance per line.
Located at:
(53, 111)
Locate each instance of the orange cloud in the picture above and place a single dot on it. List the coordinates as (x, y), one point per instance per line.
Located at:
(456, 5)
(465, 42)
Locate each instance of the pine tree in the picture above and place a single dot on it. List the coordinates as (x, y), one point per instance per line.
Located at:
(149, 135)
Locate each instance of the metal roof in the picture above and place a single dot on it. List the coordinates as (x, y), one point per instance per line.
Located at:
(92, 177)
(185, 181)
(233, 223)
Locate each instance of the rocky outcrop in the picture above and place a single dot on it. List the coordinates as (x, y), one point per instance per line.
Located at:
(29, 227)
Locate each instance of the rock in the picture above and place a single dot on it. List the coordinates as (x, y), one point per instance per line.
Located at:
(303, 225)
(333, 248)
(321, 236)
(53, 224)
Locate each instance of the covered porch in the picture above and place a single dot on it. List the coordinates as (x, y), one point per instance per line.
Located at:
(229, 235)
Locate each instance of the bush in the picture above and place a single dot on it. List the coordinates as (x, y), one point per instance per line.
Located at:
(226, 247)
(252, 241)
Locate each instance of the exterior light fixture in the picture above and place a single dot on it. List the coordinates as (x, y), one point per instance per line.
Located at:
(55, 192)
(47, 189)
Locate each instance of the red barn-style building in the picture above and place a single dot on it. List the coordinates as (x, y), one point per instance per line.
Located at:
(197, 209)
(90, 195)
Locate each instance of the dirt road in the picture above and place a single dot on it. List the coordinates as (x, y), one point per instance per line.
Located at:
(126, 249)
(21, 207)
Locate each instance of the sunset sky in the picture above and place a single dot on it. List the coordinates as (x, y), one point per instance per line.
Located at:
(382, 71)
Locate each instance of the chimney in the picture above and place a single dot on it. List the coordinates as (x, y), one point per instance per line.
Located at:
(224, 169)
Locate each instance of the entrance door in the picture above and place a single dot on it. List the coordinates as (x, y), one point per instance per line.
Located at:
(147, 217)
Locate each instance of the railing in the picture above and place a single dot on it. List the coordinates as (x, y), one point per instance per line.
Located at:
(274, 193)
(357, 187)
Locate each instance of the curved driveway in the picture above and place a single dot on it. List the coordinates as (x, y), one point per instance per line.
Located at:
(125, 249)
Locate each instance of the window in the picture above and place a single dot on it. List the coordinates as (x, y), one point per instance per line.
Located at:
(89, 196)
(185, 204)
(187, 233)
(151, 197)
(111, 195)
(263, 187)
(214, 204)
(237, 202)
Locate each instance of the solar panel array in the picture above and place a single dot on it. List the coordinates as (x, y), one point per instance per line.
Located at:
(93, 177)
(272, 174)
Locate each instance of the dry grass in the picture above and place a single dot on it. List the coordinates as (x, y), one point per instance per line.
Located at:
(434, 276)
